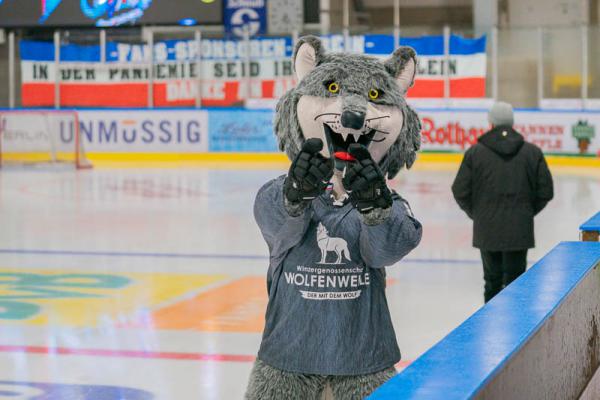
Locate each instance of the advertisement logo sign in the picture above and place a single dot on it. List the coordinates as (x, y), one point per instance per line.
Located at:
(245, 14)
(177, 131)
(61, 13)
(583, 132)
(238, 130)
(111, 13)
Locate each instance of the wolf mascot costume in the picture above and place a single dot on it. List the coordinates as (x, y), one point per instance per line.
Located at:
(332, 225)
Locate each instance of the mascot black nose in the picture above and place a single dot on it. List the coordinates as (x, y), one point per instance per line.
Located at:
(353, 119)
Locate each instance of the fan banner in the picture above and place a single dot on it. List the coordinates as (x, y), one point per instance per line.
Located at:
(227, 72)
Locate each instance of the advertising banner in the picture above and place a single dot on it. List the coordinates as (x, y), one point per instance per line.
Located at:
(105, 13)
(241, 130)
(251, 14)
(144, 131)
(252, 130)
(553, 132)
(230, 71)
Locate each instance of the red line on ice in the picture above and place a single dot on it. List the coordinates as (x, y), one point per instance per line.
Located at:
(127, 353)
(162, 355)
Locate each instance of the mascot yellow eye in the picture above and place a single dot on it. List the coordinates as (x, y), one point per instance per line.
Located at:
(333, 87)
(373, 94)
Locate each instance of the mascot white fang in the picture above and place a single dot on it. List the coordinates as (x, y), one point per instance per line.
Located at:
(328, 323)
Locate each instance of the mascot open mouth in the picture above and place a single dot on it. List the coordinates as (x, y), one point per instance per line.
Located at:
(338, 143)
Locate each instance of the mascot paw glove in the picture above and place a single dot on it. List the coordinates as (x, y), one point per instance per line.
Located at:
(309, 173)
(364, 181)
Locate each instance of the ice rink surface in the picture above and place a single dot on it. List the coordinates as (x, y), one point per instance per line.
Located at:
(150, 283)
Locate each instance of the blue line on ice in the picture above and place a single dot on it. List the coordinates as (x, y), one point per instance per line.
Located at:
(196, 255)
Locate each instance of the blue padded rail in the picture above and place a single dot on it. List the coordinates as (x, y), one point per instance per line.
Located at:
(463, 362)
(592, 224)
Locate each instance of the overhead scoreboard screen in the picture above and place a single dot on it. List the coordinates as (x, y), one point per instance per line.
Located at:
(62, 13)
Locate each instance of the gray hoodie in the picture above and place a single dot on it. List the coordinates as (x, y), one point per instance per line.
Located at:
(327, 311)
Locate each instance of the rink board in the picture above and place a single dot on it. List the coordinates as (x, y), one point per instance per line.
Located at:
(193, 134)
(537, 339)
(592, 224)
(590, 229)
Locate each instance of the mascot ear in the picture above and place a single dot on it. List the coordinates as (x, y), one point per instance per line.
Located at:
(307, 55)
(402, 65)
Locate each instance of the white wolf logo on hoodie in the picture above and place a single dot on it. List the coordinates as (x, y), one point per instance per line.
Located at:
(327, 244)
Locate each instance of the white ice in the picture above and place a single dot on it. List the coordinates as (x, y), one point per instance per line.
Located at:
(199, 221)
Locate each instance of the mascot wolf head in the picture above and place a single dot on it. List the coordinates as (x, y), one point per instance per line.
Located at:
(350, 98)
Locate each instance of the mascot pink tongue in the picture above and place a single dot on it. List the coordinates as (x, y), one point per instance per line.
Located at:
(327, 320)
(342, 155)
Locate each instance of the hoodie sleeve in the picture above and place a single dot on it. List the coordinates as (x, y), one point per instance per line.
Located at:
(462, 186)
(280, 230)
(387, 243)
(544, 185)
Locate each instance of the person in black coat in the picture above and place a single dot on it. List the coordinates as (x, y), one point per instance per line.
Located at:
(502, 183)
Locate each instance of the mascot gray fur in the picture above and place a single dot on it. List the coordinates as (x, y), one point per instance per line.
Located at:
(332, 226)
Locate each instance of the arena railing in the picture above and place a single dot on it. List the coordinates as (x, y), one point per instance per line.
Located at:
(537, 339)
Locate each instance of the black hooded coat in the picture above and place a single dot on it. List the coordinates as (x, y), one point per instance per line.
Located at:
(502, 183)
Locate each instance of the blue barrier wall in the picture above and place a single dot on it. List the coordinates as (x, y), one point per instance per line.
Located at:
(532, 341)
(592, 224)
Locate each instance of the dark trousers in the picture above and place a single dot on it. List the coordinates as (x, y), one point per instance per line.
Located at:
(500, 268)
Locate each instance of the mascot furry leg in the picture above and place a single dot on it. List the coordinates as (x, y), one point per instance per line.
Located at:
(271, 383)
(327, 323)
